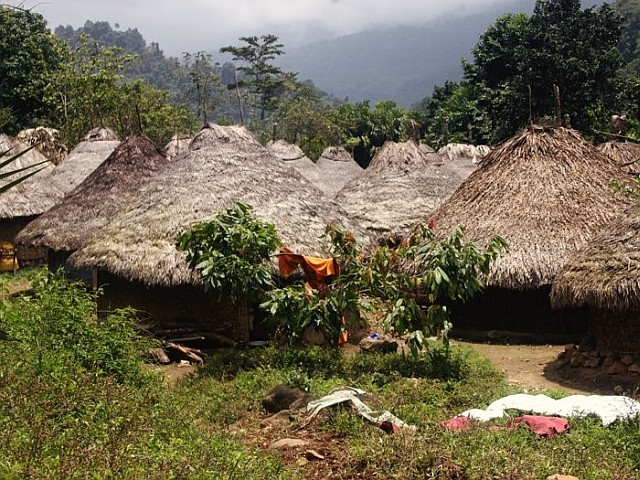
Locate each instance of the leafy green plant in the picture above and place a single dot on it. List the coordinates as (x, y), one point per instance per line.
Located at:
(57, 329)
(232, 253)
(409, 284)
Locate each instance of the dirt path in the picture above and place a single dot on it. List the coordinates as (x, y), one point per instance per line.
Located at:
(535, 367)
(524, 365)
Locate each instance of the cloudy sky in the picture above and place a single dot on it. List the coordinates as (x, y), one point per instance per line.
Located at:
(192, 25)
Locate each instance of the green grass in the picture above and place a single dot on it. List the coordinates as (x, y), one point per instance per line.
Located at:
(75, 403)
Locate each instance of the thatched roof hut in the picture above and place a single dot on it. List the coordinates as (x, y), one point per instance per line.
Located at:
(336, 168)
(546, 191)
(464, 158)
(47, 141)
(92, 150)
(626, 154)
(294, 157)
(72, 222)
(604, 277)
(224, 165)
(397, 190)
(177, 144)
(605, 273)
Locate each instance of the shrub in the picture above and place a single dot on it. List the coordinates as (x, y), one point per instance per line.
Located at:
(57, 329)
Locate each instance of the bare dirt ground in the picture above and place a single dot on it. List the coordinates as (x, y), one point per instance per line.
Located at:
(535, 367)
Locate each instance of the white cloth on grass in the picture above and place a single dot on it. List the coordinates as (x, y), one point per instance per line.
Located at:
(352, 395)
(608, 407)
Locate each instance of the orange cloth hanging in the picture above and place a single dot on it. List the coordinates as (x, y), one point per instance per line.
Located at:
(317, 270)
(318, 273)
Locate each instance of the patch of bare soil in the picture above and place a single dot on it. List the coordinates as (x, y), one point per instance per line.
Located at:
(536, 367)
(174, 371)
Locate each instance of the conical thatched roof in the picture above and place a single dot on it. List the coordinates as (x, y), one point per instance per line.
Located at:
(47, 140)
(294, 157)
(626, 154)
(27, 198)
(285, 150)
(546, 191)
(606, 272)
(398, 189)
(41, 192)
(464, 158)
(88, 155)
(71, 223)
(177, 145)
(224, 165)
(336, 168)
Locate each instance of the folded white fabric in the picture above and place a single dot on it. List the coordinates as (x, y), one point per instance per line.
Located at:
(608, 407)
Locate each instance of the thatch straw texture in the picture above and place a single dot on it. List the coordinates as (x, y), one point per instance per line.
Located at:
(294, 157)
(177, 145)
(626, 154)
(546, 191)
(71, 223)
(398, 189)
(88, 155)
(224, 165)
(29, 197)
(606, 272)
(285, 151)
(462, 157)
(47, 140)
(426, 148)
(41, 192)
(336, 168)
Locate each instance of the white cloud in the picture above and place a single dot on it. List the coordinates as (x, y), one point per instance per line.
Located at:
(191, 25)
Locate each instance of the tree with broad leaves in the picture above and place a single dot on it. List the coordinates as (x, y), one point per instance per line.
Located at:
(560, 45)
(29, 56)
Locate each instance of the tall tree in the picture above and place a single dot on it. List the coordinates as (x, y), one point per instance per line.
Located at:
(29, 56)
(561, 44)
(259, 74)
(205, 86)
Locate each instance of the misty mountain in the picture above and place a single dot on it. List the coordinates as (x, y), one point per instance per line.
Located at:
(401, 63)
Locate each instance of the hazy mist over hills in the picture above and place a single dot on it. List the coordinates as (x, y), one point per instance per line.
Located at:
(401, 63)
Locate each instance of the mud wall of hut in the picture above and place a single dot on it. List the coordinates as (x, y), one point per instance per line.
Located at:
(165, 309)
(170, 311)
(526, 311)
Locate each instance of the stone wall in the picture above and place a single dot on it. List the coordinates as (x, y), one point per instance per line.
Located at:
(612, 343)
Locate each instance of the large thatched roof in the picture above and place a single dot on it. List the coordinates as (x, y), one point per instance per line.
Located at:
(399, 188)
(546, 191)
(606, 272)
(626, 154)
(336, 168)
(72, 222)
(224, 165)
(29, 197)
(42, 191)
(177, 145)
